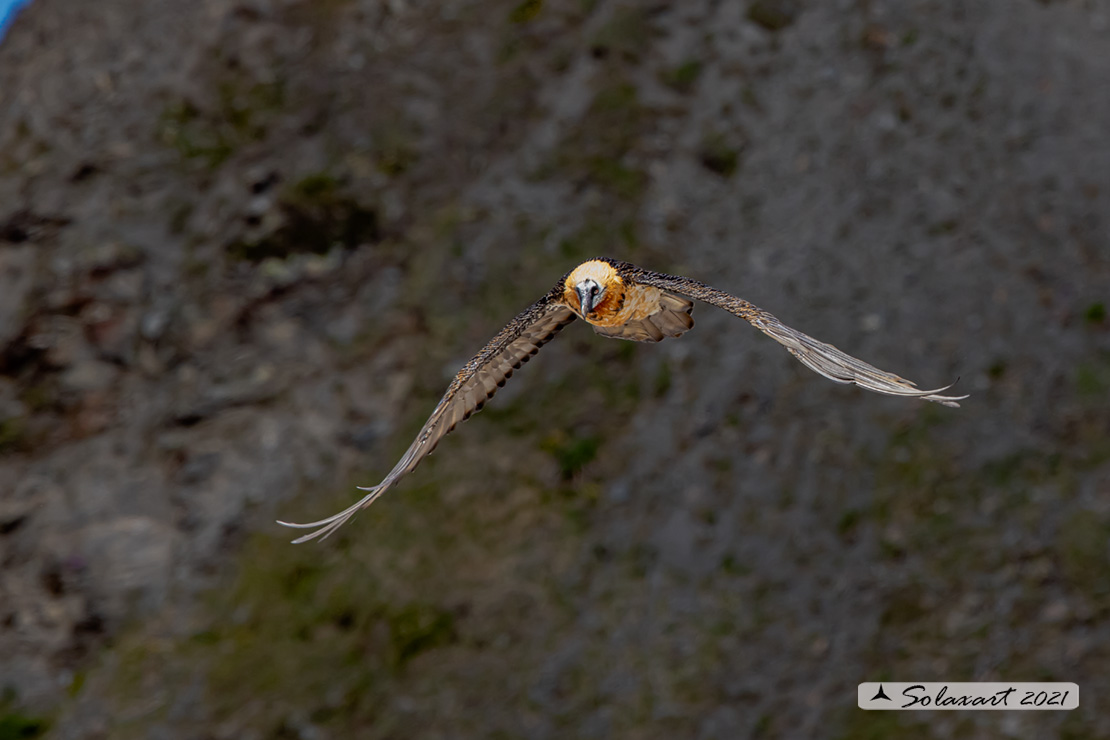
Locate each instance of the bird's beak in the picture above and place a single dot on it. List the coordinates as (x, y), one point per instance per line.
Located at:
(585, 300)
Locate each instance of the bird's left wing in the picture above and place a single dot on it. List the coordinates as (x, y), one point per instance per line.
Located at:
(475, 383)
(822, 358)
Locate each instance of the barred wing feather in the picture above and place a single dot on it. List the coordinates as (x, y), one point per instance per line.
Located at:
(475, 384)
(822, 358)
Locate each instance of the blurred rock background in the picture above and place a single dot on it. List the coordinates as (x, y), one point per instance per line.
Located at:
(244, 246)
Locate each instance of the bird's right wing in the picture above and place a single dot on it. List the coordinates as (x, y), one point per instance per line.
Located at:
(822, 358)
(474, 384)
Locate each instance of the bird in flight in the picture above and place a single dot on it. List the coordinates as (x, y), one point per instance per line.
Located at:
(623, 301)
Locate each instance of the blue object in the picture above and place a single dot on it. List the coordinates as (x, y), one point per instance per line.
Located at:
(8, 9)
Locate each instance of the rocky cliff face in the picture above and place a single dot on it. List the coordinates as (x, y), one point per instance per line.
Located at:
(244, 246)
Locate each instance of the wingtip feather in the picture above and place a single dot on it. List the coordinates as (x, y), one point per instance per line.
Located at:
(325, 527)
(949, 401)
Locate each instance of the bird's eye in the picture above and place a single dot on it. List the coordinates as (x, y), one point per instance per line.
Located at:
(594, 291)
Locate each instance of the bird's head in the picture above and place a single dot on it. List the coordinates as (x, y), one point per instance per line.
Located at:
(588, 286)
(590, 293)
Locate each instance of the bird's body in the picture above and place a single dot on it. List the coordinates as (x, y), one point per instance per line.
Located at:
(624, 308)
(622, 301)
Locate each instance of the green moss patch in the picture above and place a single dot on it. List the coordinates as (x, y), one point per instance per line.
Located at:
(17, 726)
(241, 113)
(718, 154)
(683, 77)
